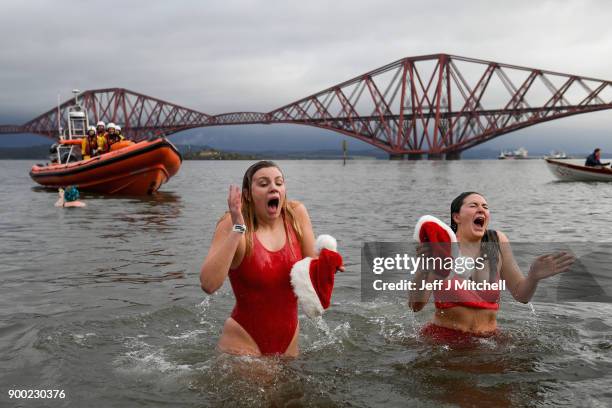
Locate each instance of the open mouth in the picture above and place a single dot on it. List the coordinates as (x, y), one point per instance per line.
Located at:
(479, 221)
(273, 204)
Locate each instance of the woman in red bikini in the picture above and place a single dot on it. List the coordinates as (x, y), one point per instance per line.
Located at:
(256, 244)
(461, 313)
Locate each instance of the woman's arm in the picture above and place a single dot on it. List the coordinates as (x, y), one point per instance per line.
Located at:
(522, 288)
(418, 297)
(227, 247)
(303, 219)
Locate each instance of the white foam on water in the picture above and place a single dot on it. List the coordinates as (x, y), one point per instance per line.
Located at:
(328, 337)
(146, 359)
(188, 335)
(533, 311)
(81, 339)
(204, 305)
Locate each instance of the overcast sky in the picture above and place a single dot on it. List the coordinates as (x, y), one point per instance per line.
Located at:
(219, 56)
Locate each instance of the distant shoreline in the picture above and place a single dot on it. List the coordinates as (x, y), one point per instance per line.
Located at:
(193, 152)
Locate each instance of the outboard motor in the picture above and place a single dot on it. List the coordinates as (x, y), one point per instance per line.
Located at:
(67, 156)
(53, 153)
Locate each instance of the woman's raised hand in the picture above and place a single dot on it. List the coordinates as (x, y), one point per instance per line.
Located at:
(234, 202)
(548, 265)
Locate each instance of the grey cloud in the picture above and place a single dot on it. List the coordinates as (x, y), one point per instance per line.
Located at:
(218, 56)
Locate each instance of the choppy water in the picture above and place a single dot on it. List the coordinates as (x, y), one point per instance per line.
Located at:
(105, 303)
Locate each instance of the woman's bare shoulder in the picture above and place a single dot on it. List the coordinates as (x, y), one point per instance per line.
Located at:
(501, 236)
(300, 212)
(294, 204)
(298, 207)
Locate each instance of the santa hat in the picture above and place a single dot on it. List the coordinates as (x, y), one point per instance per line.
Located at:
(313, 278)
(438, 236)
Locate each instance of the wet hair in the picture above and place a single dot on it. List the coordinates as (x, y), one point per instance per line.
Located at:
(71, 193)
(248, 207)
(489, 244)
(456, 207)
(596, 150)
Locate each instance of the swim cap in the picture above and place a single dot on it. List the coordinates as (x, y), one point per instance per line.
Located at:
(71, 193)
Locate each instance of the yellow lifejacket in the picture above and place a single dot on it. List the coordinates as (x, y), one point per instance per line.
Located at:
(102, 143)
(113, 138)
(88, 146)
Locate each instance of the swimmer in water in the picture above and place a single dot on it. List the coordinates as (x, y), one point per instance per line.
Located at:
(69, 198)
(461, 312)
(256, 244)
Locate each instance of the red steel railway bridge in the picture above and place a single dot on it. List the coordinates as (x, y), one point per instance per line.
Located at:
(436, 105)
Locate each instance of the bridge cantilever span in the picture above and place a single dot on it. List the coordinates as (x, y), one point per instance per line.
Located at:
(239, 118)
(139, 115)
(435, 104)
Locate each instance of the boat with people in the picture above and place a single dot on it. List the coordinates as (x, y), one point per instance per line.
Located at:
(574, 172)
(125, 167)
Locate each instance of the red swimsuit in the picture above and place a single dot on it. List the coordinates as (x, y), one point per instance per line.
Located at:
(266, 306)
(479, 299)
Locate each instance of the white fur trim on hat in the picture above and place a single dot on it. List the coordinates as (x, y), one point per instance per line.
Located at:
(303, 288)
(431, 218)
(327, 242)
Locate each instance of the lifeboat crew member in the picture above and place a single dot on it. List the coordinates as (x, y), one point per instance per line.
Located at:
(101, 128)
(89, 144)
(102, 141)
(118, 131)
(112, 136)
(463, 314)
(256, 243)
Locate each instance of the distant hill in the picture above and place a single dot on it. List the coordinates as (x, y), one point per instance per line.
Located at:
(205, 152)
(196, 152)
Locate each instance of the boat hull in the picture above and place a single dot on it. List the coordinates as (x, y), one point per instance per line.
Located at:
(138, 169)
(573, 172)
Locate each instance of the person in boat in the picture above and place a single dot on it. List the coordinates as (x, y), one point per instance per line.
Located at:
(69, 198)
(112, 136)
(101, 128)
(256, 243)
(102, 138)
(463, 314)
(593, 159)
(119, 133)
(89, 144)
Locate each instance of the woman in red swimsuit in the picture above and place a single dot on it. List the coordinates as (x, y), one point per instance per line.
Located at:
(463, 313)
(256, 243)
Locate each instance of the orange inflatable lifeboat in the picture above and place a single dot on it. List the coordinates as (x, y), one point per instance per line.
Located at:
(129, 168)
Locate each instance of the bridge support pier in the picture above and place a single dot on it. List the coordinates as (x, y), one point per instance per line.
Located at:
(396, 156)
(453, 156)
(434, 156)
(414, 156)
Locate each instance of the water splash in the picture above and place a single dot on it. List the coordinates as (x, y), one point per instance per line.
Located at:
(328, 336)
(533, 311)
(144, 358)
(414, 324)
